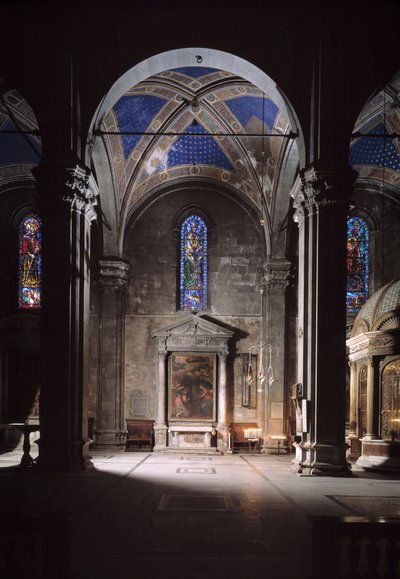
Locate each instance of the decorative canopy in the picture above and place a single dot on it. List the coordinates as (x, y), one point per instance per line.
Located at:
(381, 311)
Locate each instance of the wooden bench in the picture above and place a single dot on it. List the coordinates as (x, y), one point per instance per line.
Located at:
(238, 439)
(139, 434)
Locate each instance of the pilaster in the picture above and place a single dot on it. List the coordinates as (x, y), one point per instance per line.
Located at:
(160, 426)
(112, 282)
(276, 274)
(68, 198)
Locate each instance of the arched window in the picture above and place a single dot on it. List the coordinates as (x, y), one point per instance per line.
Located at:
(30, 263)
(193, 264)
(357, 264)
(390, 402)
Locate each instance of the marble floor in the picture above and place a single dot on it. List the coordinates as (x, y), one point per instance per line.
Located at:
(186, 516)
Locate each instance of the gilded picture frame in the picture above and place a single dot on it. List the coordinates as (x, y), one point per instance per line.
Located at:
(192, 387)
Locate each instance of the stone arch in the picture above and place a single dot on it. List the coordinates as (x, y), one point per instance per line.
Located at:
(204, 57)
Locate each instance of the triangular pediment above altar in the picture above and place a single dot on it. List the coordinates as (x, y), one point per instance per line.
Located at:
(193, 325)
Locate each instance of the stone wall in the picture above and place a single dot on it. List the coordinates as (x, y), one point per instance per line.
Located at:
(235, 250)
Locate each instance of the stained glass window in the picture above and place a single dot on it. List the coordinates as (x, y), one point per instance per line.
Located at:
(357, 264)
(193, 264)
(30, 263)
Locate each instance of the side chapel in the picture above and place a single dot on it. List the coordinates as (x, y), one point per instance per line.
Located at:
(191, 231)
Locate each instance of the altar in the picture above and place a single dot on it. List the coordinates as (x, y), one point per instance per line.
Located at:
(192, 386)
(196, 437)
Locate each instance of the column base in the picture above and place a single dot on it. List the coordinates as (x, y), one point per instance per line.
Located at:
(354, 448)
(63, 456)
(222, 442)
(320, 460)
(329, 460)
(301, 463)
(110, 440)
(379, 455)
(160, 437)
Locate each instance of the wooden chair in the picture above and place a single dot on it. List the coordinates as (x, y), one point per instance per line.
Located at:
(139, 434)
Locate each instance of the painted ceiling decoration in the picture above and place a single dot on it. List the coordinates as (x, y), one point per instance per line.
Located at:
(375, 150)
(194, 122)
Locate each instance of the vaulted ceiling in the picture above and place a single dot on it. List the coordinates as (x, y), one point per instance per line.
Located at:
(201, 122)
(377, 155)
(194, 122)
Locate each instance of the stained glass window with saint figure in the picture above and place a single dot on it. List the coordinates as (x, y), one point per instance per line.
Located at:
(357, 264)
(30, 263)
(193, 264)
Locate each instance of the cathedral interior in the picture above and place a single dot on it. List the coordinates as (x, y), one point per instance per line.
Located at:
(200, 305)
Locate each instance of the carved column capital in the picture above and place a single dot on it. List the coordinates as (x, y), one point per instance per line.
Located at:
(81, 191)
(316, 189)
(222, 355)
(113, 273)
(71, 183)
(276, 273)
(162, 354)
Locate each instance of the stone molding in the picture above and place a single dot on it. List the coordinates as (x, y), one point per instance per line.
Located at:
(371, 344)
(113, 273)
(276, 273)
(194, 333)
(197, 342)
(19, 172)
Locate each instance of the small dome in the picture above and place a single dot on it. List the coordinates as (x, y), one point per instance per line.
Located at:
(372, 314)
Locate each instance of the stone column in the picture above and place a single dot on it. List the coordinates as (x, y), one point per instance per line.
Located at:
(355, 447)
(110, 427)
(371, 395)
(223, 428)
(276, 276)
(67, 198)
(320, 202)
(160, 427)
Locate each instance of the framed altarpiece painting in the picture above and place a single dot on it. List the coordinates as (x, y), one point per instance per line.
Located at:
(192, 387)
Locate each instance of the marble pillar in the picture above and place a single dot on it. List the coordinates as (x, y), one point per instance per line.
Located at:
(372, 413)
(160, 426)
(354, 450)
(223, 428)
(68, 196)
(112, 282)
